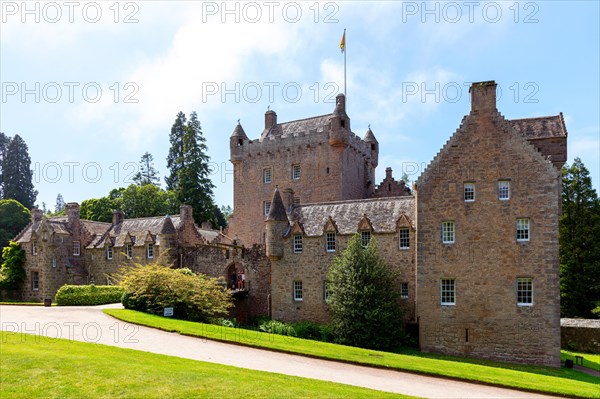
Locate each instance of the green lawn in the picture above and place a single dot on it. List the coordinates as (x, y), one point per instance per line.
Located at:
(57, 368)
(590, 360)
(535, 378)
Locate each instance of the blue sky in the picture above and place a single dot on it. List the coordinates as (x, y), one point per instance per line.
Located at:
(91, 86)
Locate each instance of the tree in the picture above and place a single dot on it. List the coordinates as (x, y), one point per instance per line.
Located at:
(13, 218)
(579, 243)
(148, 173)
(60, 204)
(12, 272)
(17, 176)
(220, 218)
(175, 156)
(363, 298)
(148, 200)
(4, 140)
(98, 209)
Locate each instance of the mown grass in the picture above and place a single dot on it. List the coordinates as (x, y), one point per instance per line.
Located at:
(560, 381)
(23, 303)
(56, 368)
(590, 360)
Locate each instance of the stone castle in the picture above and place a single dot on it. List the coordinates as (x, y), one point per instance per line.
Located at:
(473, 244)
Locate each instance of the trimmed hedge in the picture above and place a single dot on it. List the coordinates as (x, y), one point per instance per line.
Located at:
(88, 295)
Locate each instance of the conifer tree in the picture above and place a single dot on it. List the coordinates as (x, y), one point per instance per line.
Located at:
(175, 156)
(148, 173)
(60, 204)
(17, 175)
(4, 139)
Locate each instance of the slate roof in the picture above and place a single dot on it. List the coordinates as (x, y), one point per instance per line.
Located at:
(540, 128)
(292, 128)
(383, 213)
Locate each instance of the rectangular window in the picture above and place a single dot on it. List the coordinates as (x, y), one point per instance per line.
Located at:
(267, 175)
(330, 242)
(469, 192)
(525, 291)
(297, 290)
(109, 252)
(523, 229)
(267, 207)
(296, 200)
(503, 190)
(404, 235)
(295, 172)
(150, 251)
(448, 232)
(326, 291)
(297, 243)
(447, 292)
(129, 251)
(76, 248)
(34, 247)
(53, 262)
(404, 290)
(35, 281)
(365, 237)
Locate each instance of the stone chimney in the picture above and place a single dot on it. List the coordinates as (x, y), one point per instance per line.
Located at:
(483, 96)
(388, 173)
(72, 210)
(270, 119)
(186, 214)
(118, 217)
(36, 215)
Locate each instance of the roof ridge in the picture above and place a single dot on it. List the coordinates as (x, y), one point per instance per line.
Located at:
(535, 117)
(382, 199)
(304, 119)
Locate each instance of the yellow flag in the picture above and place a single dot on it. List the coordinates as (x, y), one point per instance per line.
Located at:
(343, 42)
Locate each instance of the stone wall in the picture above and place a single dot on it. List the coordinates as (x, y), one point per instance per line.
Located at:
(580, 335)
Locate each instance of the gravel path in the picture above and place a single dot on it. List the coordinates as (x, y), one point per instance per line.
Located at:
(90, 324)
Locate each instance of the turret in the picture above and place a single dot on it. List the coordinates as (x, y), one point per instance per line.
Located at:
(373, 145)
(276, 226)
(237, 143)
(339, 123)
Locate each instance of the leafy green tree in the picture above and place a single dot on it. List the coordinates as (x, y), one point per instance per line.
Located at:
(579, 243)
(148, 173)
(13, 218)
(12, 272)
(59, 208)
(175, 156)
(220, 218)
(148, 200)
(363, 298)
(227, 211)
(98, 209)
(17, 175)
(4, 140)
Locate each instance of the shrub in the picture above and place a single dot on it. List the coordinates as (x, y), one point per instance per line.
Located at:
(12, 273)
(310, 330)
(277, 327)
(88, 295)
(193, 297)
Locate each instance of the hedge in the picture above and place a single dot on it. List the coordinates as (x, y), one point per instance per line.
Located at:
(88, 295)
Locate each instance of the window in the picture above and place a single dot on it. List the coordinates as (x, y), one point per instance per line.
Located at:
(129, 251)
(267, 175)
(150, 251)
(523, 229)
(297, 243)
(469, 192)
(53, 262)
(447, 293)
(365, 237)
(503, 189)
(109, 252)
(296, 200)
(295, 172)
(326, 291)
(35, 281)
(297, 290)
(448, 232)
(524, 291)
(330, 242)
(76, 248)
(267, 207)
(34, 248)
(404, 234)
(404, 290)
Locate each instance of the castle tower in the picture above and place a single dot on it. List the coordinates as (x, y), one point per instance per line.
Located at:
(276, 226)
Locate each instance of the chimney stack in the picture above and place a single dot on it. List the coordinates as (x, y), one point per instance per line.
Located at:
(483, 96)
(72, 211)
(186, 214)
(118, 217)
(36, 215)
(270, 119)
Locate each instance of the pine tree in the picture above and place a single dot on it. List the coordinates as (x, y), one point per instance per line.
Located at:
(579, 243)
(4, 140)
(175, 156)
(148, 173)
(60, 204)
(17, 174)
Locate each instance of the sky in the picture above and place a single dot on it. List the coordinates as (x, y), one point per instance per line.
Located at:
(91, 86)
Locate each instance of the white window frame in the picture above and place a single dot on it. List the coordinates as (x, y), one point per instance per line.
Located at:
(109, 252)
(469, 192)
(35, 280)
(326, 291)
(448, 292)
(150, 250)
(404, 290)
(524, 291)
(296, 172)
(76, 248)
(503, 190)
(297, 243)
(129, 251)
(266, 207)
(365, 238)
(267, 175)
(404, 238)
(523, 229)
(34, 248)
(448, 232)
(298, 293)
(330, 241)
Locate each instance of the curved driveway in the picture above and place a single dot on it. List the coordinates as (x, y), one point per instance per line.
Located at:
(90, 324)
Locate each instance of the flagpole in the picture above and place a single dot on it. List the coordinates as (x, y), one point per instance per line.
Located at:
(345, 51)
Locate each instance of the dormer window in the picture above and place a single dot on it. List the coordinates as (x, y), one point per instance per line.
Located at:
(365, 237)
(76, 248)
(34, 248)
